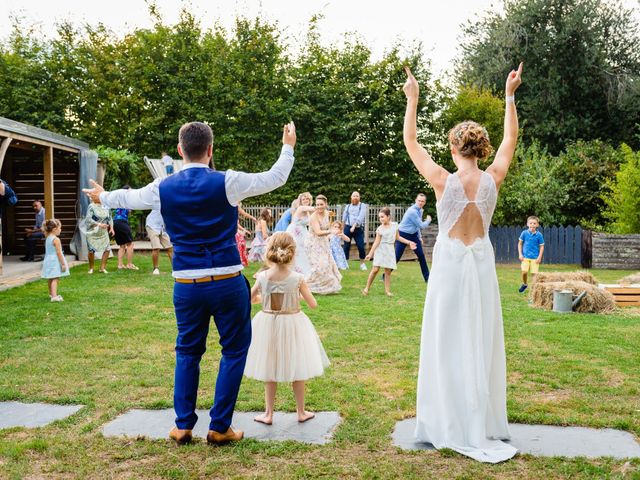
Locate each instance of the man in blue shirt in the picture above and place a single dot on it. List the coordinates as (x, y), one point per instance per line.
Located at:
(32, 235)
(353, 217)
(530, 250)
(410, 228)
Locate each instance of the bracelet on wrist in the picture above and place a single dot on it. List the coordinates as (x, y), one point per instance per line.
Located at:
(510, 99)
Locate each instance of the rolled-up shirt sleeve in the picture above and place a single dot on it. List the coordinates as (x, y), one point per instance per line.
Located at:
(145, 198)
(241, 185)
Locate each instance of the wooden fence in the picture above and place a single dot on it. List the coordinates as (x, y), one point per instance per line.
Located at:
(562, 244)
(619, 252)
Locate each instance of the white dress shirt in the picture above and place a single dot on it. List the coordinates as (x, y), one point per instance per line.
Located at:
(238, 186)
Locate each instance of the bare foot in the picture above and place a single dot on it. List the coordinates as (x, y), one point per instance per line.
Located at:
(365, 292)
(305, 416)
(389, 294)
(264, 418)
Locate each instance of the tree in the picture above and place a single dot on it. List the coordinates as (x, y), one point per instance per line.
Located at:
(532, 187)
(623, 203)
(582, 67)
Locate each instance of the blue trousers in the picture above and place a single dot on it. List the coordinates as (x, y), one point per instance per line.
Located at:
(414, 237)
(228, 301)
(31, 241)
(358, 236)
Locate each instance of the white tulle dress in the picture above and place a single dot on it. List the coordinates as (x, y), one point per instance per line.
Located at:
(461, 401)
(285, 346)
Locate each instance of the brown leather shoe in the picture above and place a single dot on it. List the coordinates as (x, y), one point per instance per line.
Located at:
(226, 437)
(180, 436)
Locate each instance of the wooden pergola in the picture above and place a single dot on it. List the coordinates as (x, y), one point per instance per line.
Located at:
(40, 165)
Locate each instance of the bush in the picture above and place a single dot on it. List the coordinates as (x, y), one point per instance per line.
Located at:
(623, 202)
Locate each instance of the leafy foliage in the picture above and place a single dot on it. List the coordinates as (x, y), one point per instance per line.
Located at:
(623, 203)
(582, 67)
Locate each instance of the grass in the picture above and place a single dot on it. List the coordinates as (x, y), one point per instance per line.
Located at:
(109, 346)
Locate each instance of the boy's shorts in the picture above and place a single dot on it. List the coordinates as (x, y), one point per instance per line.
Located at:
(529, 265)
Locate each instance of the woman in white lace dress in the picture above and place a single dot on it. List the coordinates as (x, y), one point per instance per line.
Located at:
(461, 400)
(299, 230)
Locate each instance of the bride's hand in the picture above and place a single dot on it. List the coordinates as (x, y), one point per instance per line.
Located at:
(411, 88)
(513, 81)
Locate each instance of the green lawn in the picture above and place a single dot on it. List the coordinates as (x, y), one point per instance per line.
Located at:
(109, 346)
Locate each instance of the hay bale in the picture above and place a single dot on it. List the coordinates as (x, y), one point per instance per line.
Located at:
(580, 276)
(595, 301)
(630, 279)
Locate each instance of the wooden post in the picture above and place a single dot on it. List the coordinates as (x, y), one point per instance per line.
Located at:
(48, 182)
(587, 249)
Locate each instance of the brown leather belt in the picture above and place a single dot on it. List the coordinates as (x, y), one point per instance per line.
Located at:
(210, 278)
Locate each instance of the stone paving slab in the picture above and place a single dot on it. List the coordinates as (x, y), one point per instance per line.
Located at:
(545, 440)
(19, 414)
(155, 424)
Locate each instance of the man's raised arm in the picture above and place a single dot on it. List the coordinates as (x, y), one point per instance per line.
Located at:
(241, 185)
(145, 198)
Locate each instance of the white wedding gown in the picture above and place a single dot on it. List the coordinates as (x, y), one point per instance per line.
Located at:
(461, 401)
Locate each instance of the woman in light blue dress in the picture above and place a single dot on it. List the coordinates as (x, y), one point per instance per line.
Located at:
(54, 264)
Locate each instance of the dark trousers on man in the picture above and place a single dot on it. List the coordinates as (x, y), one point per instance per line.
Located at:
(228, 302)
(414, 237)
(30, 242)
(358, 236)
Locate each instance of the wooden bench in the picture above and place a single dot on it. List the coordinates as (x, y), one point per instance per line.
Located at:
(625, 295)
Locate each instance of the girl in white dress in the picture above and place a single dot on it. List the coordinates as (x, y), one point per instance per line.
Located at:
(461, 400)
(299, 230)
(285, 346)
(383, 250)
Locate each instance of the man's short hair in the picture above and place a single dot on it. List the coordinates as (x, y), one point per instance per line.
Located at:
(421, 195)
(195, 138)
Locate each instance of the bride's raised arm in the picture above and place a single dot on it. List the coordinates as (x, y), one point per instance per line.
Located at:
(500, 166)
(430, 170)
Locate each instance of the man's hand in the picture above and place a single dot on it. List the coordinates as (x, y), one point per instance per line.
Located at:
(413, 245)
(513, 81)
(2, 188)
(411, 88)
(353, 229)
(93, 193)
(429, 218)
(521, 258)
(289, 134)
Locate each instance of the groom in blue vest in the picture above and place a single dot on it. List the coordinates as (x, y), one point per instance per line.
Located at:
(199, 207)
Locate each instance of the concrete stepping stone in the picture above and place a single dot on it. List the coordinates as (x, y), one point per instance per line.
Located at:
(545, 440)
(19, 414)
(155, 424)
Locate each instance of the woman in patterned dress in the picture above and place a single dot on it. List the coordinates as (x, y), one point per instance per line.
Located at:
(324, 277)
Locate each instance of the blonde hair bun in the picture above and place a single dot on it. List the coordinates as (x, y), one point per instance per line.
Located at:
(281, 248)
(471, 139)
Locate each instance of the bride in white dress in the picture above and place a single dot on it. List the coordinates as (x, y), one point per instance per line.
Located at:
(461, 401)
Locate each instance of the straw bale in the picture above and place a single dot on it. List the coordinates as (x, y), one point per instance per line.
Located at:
(595, 301)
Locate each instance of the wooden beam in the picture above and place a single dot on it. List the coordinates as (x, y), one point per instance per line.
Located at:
(36, 141)
(3, 149)
(48, 182)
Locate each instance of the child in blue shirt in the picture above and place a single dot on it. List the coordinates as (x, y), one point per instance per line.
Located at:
(530, 250)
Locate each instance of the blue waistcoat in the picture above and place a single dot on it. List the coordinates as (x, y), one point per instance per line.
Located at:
(199, 219)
